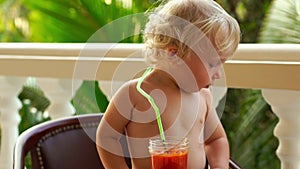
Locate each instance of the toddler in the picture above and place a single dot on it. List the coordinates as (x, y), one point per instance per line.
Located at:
(186, 43)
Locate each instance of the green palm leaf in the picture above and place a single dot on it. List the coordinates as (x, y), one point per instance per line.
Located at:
(249, 124)
(282, 24)
(89, 99)
(62, 21)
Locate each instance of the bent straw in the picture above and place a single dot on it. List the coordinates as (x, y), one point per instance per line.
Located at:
(152, 102)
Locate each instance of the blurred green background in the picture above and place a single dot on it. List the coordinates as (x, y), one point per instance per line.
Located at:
(247, 118)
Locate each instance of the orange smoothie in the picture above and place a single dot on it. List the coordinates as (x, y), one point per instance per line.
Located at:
(176, 159)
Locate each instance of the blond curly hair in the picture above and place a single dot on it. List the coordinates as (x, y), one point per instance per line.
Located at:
(174, 23)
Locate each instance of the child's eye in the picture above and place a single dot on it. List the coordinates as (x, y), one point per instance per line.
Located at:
(211, 65)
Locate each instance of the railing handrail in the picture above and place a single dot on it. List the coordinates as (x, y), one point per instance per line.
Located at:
(68, 49)
(274, 66)
(254, 51)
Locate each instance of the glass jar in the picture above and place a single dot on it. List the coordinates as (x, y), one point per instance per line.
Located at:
(169, 154)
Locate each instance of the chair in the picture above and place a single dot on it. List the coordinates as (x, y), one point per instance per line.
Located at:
(67, 143)
(234, 165)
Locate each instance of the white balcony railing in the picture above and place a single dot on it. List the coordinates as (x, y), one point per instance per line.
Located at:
(60, 69)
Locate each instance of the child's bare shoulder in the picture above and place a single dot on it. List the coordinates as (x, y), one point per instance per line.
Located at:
(129, 91)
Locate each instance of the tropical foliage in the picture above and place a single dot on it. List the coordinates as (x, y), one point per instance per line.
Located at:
(247, 118)
(283, 23)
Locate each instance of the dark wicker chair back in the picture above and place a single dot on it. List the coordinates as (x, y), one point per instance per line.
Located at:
(67, 143)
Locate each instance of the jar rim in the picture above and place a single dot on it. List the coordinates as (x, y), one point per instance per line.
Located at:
(170, 142)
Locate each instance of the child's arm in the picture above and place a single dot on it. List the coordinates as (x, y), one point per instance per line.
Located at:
(217, 149)
(108, 135)
(110, 130)
(216, 143)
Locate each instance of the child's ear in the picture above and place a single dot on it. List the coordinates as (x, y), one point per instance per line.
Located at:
(172, 50)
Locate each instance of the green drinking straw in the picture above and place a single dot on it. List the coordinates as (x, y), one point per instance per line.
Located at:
(152, 102)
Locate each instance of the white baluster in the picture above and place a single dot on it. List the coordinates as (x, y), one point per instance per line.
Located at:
(10, 87)
(59, 92)
(286, 105)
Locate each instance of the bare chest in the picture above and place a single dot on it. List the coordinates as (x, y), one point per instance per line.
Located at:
(185, 116)
(180, 115)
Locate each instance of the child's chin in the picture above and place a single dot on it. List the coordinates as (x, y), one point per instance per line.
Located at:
(207, 86)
